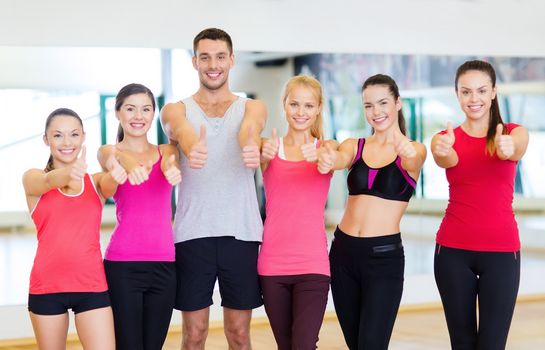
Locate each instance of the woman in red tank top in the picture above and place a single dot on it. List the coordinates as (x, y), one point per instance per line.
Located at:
(66, 207)
(478, 250)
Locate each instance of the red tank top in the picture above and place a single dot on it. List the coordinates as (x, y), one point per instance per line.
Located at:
(479, 215)
(68, 258)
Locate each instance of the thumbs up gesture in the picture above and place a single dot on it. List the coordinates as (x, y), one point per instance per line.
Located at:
(403, 146)
(309, 150)
(326, 160)
(116, 170)
(505, 146)
(198, 153)
(250, 152)
(79, 167)
(171, 171)
(140, 173)
(445, 142)
(270, 147)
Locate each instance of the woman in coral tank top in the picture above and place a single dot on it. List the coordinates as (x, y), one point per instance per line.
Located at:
(478, 249)
(293, 265)
(65, 204)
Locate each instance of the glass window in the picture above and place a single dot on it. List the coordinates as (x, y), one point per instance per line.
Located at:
(22, 145)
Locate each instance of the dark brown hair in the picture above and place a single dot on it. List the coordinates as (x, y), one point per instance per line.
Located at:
(495, 116)
(126, 91)
(213, 34)
(58, 112)
(383, 79)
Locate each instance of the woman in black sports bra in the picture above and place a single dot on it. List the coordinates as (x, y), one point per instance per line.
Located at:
(366, 256)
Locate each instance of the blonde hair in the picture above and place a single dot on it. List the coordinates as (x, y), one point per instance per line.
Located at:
(317, 129)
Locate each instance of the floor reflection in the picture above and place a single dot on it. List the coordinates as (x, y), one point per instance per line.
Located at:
(17, 251)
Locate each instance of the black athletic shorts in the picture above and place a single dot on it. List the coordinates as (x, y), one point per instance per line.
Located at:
(199, 262)
(59, 303)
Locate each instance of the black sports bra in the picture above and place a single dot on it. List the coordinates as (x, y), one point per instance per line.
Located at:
(389, 182)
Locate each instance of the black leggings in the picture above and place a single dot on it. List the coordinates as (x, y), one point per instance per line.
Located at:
(366, 284)
(142, 295)
(462, 277)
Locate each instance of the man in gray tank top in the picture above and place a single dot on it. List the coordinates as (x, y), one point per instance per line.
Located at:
(217, 226)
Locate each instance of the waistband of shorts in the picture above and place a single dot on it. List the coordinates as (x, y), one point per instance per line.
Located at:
(394, 239)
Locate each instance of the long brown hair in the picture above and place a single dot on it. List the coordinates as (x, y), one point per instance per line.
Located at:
(58, 112)
(386, 80)
(317, 129)
(495, 116)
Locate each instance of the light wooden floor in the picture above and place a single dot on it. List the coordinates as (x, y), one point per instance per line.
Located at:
(422, 329)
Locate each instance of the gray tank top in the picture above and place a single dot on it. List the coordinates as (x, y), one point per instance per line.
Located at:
(219, 199)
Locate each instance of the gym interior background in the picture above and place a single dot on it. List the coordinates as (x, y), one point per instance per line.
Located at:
(77, 55)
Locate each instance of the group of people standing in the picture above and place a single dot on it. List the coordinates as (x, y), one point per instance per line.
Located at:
(150, 267)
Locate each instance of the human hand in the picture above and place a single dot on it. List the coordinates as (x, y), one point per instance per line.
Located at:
(326, 160)
(199, 151)
(171, 171)
(403, 146)
(250, 152)
(270, 147)
(445, 142)
(309, 150)
(505, 145)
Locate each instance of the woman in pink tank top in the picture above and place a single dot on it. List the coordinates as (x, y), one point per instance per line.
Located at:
(66, 206)
(293, 264)
(139, 261)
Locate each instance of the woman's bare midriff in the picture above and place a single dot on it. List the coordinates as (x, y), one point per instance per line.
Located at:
(371, 216)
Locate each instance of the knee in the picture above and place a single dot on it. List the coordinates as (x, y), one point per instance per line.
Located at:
(304, 344)
(194, 335)
(238, 336)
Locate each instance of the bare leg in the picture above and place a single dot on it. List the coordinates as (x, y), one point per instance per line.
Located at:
(195, 329)
(96, 329)
(50, 330)
(237, 328)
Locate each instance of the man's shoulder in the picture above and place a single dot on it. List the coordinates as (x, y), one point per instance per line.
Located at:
(173, 109)
(255, 105)
(173, 114)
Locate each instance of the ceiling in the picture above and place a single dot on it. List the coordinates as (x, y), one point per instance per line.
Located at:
(452, 27)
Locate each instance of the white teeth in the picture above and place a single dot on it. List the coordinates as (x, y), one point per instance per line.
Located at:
(137, 125)
(379, 119)
(66, 151)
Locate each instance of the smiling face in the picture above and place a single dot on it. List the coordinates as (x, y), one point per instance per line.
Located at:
(136, 114)
(213, 61)
(380, 106)
(302, 107)
(475, 94)
(64, 136)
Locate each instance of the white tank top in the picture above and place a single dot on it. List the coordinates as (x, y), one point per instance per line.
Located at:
(219, 199)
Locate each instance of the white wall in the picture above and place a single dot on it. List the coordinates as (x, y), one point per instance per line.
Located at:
(454, 27)
(267, 83)
(104, 70)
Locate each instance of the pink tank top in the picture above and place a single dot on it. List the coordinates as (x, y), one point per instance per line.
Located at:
(144, 229)
(68, 258)
(294, 239)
